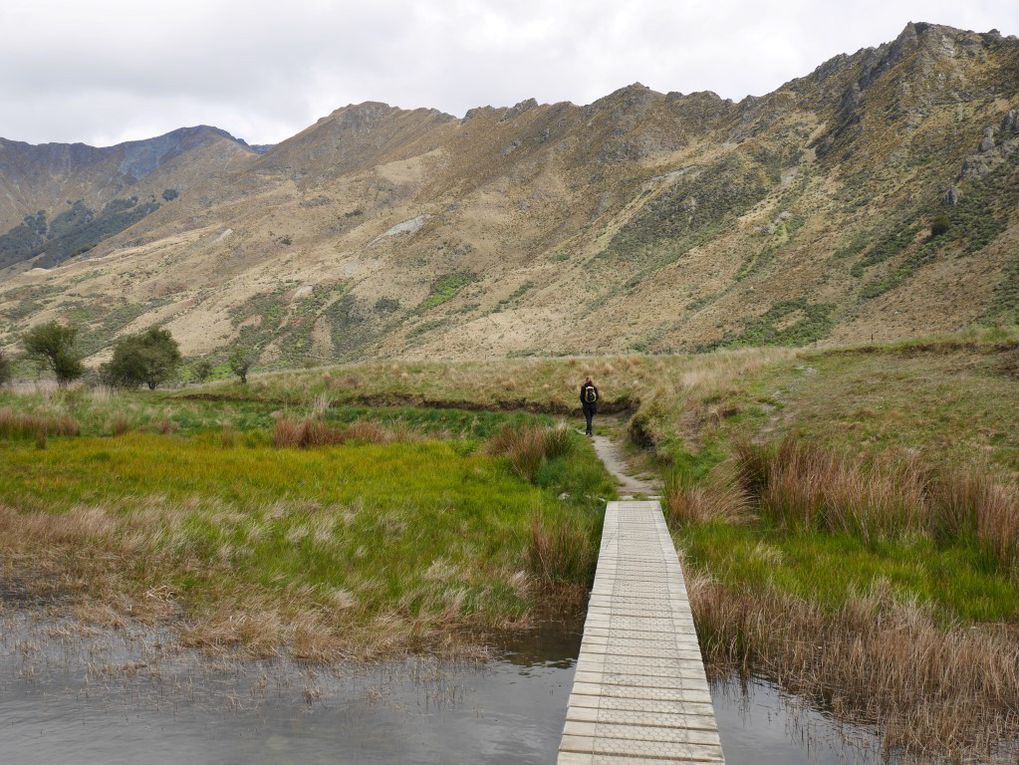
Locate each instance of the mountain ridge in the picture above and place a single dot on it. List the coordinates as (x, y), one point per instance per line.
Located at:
(668, 221)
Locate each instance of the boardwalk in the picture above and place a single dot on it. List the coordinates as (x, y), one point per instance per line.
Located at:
(640, 696)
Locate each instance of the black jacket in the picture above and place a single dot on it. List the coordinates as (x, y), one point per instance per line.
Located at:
(583, 402)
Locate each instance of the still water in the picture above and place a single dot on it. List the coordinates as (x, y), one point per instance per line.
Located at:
(122, 697)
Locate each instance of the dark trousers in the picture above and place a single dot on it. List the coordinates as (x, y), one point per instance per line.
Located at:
(589, 412)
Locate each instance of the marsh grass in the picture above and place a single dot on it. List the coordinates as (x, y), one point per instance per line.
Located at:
(309, 432)
(563, 551)
(721, 497)
(883, 588)
(936, 691)
(356, 549)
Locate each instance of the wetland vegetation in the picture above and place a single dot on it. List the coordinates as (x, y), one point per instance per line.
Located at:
(847, 515)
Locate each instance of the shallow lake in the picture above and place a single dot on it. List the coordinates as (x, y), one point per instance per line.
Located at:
(122, 697)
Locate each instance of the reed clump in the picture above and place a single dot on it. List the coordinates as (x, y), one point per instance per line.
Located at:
(722, 497)
(562, 551)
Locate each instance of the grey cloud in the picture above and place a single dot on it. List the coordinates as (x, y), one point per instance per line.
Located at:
(106, 71)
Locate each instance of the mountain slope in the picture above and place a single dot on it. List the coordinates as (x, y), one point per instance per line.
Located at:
(876, 196)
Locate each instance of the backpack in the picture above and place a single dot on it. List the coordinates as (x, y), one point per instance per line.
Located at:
(590, 394)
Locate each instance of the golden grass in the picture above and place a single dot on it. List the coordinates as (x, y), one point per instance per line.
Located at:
(950, 692)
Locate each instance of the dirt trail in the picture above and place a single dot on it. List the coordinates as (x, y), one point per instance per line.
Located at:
(614, 460)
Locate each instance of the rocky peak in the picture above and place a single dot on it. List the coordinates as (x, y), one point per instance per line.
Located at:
(517, 109)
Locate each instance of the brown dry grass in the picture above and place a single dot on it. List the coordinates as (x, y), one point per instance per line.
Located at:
(308, 432)
(23, 425)
(721, 497)
(802, 485)
(936, 691)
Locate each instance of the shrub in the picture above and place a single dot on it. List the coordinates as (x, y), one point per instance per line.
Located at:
(940, 225)
(240, 363)
(202, 371)
(150, 357)
(52, 345)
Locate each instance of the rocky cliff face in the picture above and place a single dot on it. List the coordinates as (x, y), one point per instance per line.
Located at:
(643, 221)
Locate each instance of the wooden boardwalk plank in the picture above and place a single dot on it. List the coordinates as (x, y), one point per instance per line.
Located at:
(640, 694)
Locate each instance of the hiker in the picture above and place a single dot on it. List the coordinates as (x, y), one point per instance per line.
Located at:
(589, 402)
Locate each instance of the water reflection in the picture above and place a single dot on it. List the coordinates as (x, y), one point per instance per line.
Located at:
(125, 698)
(760, 725)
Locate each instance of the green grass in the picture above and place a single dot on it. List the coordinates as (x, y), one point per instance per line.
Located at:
(445, 288)
(830, 569)
(437, 421)
(790, 322)
(144, 410)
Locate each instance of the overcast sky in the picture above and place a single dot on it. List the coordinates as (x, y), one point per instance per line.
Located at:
(104, 72)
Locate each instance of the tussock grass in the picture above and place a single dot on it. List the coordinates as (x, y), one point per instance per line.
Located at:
(530, 446)
(21, 425)
(802, 485)
(882, 588)
(722, 497)
(308, 432)
(935, 691)
(968, 502)
(563, 551)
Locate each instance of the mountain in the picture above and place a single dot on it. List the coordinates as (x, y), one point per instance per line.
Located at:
(874, 197)
(57, 200)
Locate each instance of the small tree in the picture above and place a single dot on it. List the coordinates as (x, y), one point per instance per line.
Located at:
(6, 372)
(52, 347)
(202, 370)
(240, 363)
(150, 357)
